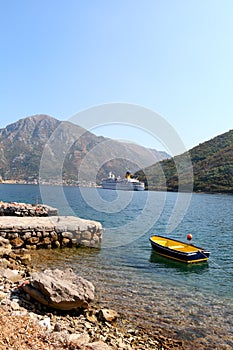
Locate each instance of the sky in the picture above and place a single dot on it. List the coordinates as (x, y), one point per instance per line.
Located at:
(173, 57)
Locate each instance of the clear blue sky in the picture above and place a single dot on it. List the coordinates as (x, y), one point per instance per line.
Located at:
(174, 56)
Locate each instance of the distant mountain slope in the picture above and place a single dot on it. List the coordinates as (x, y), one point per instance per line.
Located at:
(22, 145)
(212, 163)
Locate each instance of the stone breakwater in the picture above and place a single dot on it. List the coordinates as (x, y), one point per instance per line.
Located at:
(48, 232)
(25, 209)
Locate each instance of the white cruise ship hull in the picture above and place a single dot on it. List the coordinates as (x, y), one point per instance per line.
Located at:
(123, 185)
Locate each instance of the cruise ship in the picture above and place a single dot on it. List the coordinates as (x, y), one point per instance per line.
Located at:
(127, 184)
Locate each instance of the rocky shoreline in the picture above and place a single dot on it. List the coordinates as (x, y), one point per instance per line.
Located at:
(34, 317)
(25, 321)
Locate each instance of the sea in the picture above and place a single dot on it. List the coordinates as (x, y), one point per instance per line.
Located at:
(189, 302)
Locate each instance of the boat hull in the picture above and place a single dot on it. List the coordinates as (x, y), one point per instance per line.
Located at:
(123, 186)
(178, 250)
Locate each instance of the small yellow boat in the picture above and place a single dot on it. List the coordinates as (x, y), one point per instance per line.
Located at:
(178, 250)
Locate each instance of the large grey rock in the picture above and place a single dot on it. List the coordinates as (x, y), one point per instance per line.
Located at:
(58, 289)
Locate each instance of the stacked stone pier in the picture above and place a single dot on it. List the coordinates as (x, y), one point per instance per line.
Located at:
(34, 232)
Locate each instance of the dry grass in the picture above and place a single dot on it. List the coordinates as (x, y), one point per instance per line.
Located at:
(21, 333)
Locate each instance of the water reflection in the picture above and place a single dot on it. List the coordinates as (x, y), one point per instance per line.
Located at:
(162, 262)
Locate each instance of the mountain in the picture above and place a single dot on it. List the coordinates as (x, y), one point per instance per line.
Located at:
(42, 146)
(212, 163)
(21, 145)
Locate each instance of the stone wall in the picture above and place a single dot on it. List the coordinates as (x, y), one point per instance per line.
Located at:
(25, 209)
(48, 232)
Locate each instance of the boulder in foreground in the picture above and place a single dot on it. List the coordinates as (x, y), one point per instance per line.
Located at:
(63, 290)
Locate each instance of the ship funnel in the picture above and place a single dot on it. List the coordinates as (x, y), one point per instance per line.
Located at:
(127, 175)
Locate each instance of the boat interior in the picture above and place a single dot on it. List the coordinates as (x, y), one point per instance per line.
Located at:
(169, 243)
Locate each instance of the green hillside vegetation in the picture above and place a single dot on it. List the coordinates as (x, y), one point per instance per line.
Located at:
(212, 163)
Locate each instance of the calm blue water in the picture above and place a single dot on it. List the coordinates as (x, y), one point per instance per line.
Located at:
(190, 301)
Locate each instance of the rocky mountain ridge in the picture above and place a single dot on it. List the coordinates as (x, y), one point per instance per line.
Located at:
(43, 148)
